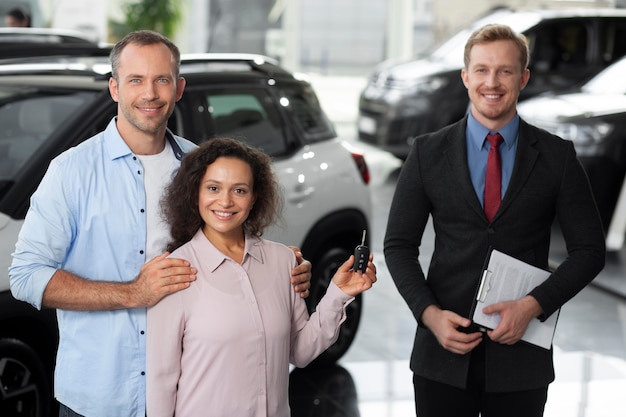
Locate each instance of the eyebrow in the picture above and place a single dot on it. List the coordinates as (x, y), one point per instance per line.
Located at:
(210, 180)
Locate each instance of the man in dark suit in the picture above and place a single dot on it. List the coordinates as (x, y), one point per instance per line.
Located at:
(458, 370)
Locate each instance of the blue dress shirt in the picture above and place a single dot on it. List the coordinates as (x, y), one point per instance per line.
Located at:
(478, 149)
(88, 217)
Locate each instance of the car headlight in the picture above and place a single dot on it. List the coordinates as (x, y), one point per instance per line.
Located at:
(426, 86)
(399, 89)
(584, 134)
(421, 86)
(588, 138)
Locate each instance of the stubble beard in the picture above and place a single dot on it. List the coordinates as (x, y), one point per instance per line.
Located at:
(149, 125)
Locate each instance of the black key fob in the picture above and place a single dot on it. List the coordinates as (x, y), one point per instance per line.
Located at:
(361, 256)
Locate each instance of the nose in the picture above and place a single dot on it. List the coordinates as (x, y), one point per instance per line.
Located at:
(492, 79)
(225, 199)
(150, 91)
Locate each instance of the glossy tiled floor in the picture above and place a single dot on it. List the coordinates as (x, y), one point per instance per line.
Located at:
(373, 378)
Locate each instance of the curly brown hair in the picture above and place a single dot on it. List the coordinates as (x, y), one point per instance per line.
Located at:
(179, 204)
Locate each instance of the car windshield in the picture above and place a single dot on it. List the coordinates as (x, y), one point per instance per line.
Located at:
(609, 81)
(28, 117)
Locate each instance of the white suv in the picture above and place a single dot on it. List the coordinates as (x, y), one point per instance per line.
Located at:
(51, 104)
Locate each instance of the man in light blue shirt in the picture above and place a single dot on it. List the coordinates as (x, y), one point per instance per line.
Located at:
(92, 225)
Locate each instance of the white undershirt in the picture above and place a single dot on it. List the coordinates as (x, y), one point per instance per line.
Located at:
(158, 170)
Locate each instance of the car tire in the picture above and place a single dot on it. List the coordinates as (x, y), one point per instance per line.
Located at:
(24, 386)
(324, 267)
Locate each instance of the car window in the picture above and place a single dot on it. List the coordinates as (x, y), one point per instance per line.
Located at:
(249, 115)
(559, 45)
(27, 119)
(304, 107)
(613, 39)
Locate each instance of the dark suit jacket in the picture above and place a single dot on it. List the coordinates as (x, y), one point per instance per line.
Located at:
(547, 182)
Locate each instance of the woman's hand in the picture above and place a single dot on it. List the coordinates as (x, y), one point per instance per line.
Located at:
(353, 283)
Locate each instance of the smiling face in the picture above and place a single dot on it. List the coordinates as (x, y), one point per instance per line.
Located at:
(146, 90)
(226, 198)
(494, 78)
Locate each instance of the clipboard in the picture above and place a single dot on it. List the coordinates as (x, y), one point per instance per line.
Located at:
(507, 278)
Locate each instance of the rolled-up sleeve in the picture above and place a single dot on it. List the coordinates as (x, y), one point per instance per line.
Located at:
(43, 240)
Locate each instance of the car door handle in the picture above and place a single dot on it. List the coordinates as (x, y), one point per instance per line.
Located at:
(300, 193)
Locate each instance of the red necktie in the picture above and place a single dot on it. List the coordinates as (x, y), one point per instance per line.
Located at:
(493, 179)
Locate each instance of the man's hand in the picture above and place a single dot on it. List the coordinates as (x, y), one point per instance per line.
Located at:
(444, 325)
(301, 274)
(161, 276)
(157, 278)
(516, 316)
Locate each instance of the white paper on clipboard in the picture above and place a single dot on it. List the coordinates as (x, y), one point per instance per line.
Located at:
(507, 278)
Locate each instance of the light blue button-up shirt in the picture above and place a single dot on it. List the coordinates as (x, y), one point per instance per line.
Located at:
(478, 150)
(88, 217)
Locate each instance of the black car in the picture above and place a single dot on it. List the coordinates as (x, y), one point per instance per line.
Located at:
(50, 104)
(38, 42)
(406, 99)
(594, 118)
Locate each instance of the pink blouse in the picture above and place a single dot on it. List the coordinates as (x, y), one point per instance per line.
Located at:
(223, 346)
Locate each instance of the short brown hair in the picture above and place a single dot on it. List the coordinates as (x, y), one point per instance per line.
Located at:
(498, 32)
(142, 37)
(180, 201)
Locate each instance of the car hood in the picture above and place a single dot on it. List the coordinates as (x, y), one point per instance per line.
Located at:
(575, 105)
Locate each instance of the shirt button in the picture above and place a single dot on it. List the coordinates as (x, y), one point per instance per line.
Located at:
(139, 172)
(143, 373)
(141, 252)
(143, 211)
(142, 332)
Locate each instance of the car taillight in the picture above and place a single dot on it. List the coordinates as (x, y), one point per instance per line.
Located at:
(359, 160)
(361, 166)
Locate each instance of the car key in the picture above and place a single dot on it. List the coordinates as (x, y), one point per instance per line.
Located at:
(361, 256)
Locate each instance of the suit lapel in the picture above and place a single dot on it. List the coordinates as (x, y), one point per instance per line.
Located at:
(456, 156)
(525, 159)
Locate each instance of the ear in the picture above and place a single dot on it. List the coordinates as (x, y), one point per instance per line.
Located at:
(113, 90)
(524, 79)
(464, 77)
(180, 87)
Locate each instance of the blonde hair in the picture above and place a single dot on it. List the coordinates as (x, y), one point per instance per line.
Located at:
(498, 32)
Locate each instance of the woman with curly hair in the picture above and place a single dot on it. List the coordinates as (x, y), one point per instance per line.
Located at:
(222, 347)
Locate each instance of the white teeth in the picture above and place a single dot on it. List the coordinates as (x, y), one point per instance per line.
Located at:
(492, 95)
(223, 213)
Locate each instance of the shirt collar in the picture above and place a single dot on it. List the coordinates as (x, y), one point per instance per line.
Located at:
(477, 133)
(215, 258)
(113, 142)
(118, 148)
